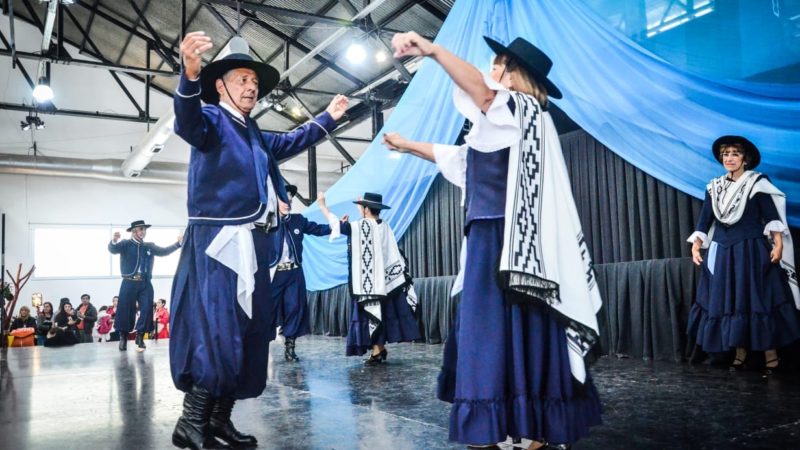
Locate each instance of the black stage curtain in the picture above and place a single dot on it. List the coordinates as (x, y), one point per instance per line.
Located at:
(636, 229)
(646, 304)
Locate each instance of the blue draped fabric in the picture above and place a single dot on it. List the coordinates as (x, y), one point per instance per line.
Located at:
(656, 116)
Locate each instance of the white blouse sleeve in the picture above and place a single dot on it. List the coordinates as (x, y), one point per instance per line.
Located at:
(775, 226)
(703, 238)
(494, 130)
(336, 228)
(451, 160)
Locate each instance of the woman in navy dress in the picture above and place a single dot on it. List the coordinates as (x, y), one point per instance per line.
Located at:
(744, 297)
(506, 366)
(397, 323)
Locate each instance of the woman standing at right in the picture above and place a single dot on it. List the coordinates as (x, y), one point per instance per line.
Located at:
(513, 363)
(747, 295)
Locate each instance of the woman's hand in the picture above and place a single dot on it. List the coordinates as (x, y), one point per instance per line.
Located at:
(696, 257)
(776, 254)
(394, 141)
(411, 44)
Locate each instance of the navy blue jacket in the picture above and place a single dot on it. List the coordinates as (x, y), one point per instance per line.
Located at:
(137, 257)
(292, 228)
(223, 182)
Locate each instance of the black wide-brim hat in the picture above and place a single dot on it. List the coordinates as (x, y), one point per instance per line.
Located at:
(533, 60)
(268, 76)
(137, 223)
(750, 149)
(372, 200)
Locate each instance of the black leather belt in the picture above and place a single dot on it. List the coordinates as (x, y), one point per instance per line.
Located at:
(137, 277)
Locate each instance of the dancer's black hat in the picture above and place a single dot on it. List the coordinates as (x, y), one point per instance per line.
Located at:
(531, 58)
(268, 76)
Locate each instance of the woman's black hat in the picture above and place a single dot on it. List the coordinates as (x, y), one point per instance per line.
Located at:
(533, 60)
(752, 155)
(268, 76)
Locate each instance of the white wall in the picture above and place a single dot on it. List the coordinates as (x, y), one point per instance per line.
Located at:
(27, 200)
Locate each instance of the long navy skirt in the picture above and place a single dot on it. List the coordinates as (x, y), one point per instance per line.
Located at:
(743, 300)
(506, 367)
(213, 344)
(289, 291)
(397, 325)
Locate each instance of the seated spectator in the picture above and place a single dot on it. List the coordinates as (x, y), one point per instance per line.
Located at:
(104, 324)
(161, 319)
(23, 328)
(24, 320)
(44, 321)
(66, 320)
(87, 314)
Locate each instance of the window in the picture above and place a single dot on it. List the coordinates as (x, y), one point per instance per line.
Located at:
(67, 251)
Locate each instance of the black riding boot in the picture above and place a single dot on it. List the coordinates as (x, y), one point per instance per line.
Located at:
(123, 344)
(192, 429)
(288, 351)
(222, 426)
(140, 342)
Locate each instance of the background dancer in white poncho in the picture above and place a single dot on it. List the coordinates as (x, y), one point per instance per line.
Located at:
(384, 300)
(747, 295)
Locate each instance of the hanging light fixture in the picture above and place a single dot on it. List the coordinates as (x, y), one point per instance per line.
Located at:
(42, 92)
(356, 53)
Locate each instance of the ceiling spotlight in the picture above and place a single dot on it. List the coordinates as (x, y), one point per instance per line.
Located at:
(356, 53)
(67, 2)
(278, 107)
(42, 92)
(381, 56)
(25, 126)
(296, 111)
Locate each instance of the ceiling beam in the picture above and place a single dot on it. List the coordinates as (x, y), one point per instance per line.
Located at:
(77, 113)
(87, 63)
(276, 10)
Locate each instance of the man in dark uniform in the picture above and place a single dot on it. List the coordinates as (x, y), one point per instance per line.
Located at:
(222, 308)
(288, 283)
(136, 266)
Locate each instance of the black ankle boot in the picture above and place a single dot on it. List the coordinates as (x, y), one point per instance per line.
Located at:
(222, 427)
(288, 351)
(192, 429)
(123, 344)
(140, 342)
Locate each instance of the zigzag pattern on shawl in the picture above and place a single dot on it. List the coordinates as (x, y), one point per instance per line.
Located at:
(528, 275)
(367, 253)
(531, 278)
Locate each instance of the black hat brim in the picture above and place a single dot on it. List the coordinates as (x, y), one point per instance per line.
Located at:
(268, 77)
(749, 148)
(500, 49)
(145, 225)
(373, 205)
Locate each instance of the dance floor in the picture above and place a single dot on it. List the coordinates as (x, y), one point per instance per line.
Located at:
(92, 396)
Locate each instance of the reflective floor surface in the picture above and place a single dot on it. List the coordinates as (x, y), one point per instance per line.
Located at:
(91, 396)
